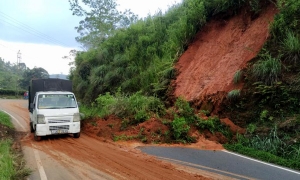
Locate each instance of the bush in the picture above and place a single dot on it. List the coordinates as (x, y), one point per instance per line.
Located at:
(207, 124)
(180, 128)
(137, 107)
(11, 92)
(213, 124)
(183, 109)
(234, 94)
(291, 47)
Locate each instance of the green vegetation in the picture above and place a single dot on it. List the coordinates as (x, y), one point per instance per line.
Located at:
(14, 79)
(5, 120)
(268, 70)
(270, 97)
(212, 124)
(271, 149)
(128, 65)
(291, 47)
(7, 168)
(8, 77)
(135, 108)
(264, 156)
(11, 163)
(234, 94)
(237, 77)
(140, 56)
(180, 128)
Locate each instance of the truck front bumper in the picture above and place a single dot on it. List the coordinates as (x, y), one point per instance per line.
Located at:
(58, 128)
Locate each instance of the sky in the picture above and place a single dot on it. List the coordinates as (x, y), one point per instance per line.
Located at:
(44, 30)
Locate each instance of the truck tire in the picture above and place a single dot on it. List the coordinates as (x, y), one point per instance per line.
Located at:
(76, 135)
(31, 127)
(37, 138)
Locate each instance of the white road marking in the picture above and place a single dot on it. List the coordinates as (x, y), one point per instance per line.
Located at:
(23, 128)
(272, 165)
(205, 168)
(39, 163)
(36, 153)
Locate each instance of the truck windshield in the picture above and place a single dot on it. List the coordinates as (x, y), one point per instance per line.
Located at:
(56, 101)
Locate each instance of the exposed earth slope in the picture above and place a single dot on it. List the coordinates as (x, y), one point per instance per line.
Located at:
(219, 50)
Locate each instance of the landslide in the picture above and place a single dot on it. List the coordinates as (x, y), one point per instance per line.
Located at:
(205, 76)
(220, 49)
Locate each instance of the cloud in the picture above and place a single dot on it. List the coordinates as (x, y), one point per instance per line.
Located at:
(43, 30)
(46, 56)
(38, 21)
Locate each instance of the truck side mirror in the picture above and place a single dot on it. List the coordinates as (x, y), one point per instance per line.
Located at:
(79, 104)
(31, 107)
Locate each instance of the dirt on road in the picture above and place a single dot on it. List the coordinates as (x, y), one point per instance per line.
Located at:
(93, 157)
(205, 69)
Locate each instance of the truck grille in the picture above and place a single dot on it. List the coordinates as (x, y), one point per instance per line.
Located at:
(59, 120)
(63, 127)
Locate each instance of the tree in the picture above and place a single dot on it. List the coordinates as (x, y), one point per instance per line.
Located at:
(29, 74)
(101, 20)
(9, 74)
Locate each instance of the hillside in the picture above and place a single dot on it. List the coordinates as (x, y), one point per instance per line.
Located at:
(223, 70)
(219, 50)
(205, 76)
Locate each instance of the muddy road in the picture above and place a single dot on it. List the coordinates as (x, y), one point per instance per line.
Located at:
(63, 157)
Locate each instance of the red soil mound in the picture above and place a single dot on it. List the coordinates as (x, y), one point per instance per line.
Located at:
(219, 50)
(206, 73)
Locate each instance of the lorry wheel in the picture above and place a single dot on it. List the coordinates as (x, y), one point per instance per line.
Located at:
(76, 135)
(31, 127)
(37, 138)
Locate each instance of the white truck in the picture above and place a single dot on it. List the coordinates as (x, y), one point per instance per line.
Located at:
(53, 108)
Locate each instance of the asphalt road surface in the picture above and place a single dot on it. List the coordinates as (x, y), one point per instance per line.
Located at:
(63, 157)
(223, 162)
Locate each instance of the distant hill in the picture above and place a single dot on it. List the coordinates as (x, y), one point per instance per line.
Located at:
(59, 76)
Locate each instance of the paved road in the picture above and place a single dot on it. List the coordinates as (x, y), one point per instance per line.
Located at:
(44, 166)
(64, 157)
(223, 162)
(41, 160)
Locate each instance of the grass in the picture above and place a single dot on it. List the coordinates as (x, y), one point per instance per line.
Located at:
(6, 160)
(5, 120)
(270, 148)
(237, 76)
(291, 47)
(11, 163)
(264, 156)
(234, 94)
(267, 69)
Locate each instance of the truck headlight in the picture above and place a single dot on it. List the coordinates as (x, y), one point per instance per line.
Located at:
(76, 117)
(40, 119)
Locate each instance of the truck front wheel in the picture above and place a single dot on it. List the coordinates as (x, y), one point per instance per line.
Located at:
(31, 127)
(36, 137)
(76, 135)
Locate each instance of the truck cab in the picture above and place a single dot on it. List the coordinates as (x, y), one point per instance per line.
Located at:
(52, 111)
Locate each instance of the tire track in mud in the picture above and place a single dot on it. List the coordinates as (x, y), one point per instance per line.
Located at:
(103, 157)
(90, 157)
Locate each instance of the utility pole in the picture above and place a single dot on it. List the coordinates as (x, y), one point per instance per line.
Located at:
(18, 59)
(18, 68)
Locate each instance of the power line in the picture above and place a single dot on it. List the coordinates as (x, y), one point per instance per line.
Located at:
(13, 50)
(29, 29)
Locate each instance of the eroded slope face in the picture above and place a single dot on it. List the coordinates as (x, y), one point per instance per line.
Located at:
(219, 50)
